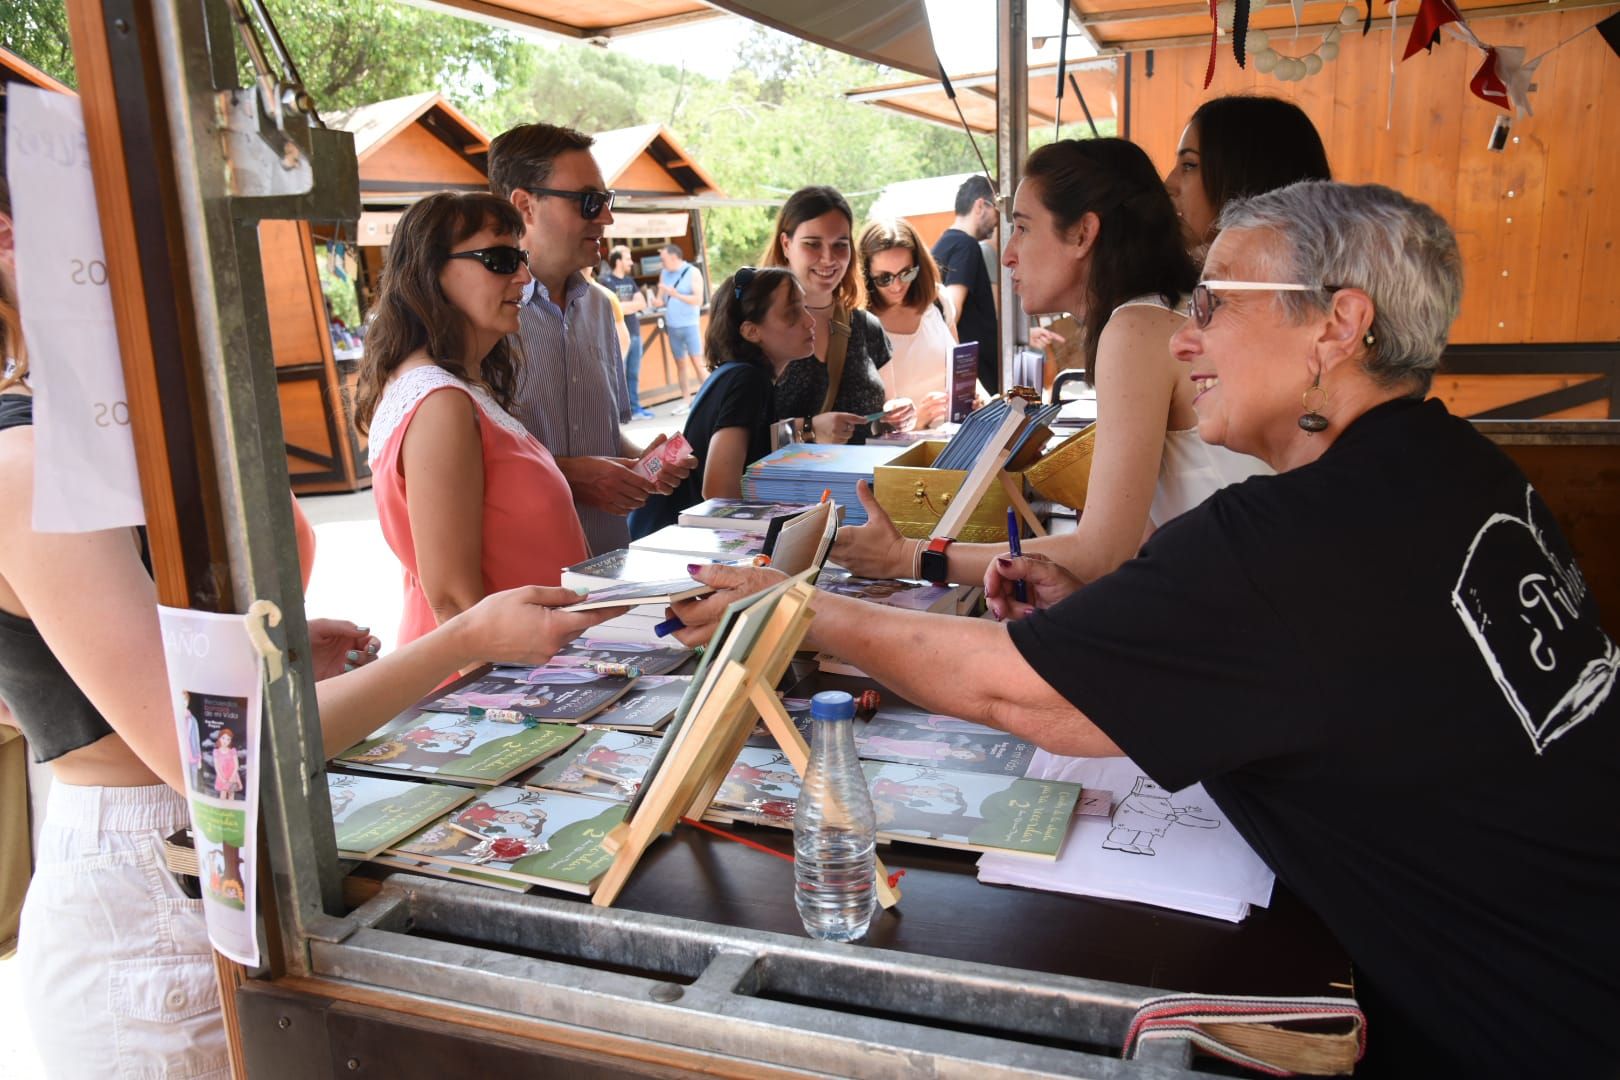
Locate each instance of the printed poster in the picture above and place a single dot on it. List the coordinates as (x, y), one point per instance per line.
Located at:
(84, 467)
(214, 674)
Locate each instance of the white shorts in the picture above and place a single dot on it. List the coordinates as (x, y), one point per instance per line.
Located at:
(119, 973)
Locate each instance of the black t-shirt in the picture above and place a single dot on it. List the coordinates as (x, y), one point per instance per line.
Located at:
(803, 383)
(1387, 669)
(961, 262)
(738, 394)
(625, 289)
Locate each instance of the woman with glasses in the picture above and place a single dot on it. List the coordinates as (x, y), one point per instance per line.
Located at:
(831, 394)
(468, 499)
(758, 326)
(902, 290)
(112, 947)
(1094, 234)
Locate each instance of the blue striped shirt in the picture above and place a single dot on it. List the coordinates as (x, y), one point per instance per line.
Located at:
(571, 391)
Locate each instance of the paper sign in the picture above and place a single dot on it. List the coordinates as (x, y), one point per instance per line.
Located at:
(84, 457)
(963, 373)
(214, 674)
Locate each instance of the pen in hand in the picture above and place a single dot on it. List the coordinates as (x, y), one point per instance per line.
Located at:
(1016, 550)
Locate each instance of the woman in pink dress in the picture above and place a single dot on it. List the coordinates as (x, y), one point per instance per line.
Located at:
(468, 500)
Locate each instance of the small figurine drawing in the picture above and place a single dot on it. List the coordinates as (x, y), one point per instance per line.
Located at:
(227, 766)
(1147, 813)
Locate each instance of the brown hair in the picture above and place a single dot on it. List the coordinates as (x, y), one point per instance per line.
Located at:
(723, 341)
(807, 204)
(887, 236)
(412, 311)
(1138, 250)
(523, 156)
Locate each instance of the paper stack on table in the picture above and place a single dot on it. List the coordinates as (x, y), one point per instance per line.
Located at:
(1171, 849)
(800, 472)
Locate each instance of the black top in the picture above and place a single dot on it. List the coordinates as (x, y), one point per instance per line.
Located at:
(802, 386)
(54, 715)
(1387, 669)
(737, 394)
(625, 289)
(961, 262)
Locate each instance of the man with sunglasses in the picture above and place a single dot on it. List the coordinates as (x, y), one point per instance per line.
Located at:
(572, 392)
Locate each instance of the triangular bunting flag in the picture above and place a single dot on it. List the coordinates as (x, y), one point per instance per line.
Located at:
(1431, 16)
(1610, 30)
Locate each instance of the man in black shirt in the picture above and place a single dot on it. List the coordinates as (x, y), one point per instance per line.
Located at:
(622, 280)
(966, 278)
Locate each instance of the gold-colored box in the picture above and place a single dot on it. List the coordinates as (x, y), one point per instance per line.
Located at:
(916, 495)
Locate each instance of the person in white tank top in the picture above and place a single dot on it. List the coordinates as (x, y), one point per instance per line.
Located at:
(1094, 231)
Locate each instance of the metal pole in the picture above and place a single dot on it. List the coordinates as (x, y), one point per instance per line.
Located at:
(1012, 145)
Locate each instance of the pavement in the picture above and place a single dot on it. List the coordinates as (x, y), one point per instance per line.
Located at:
(356, 577)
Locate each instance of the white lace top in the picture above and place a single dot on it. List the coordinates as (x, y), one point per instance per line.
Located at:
(919, 362)
(402, 393)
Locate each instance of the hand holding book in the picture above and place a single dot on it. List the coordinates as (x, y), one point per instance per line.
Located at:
(730, 583)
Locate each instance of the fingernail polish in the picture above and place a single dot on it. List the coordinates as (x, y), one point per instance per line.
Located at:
(352, 654)
(373, 646)
(1003, 560)
(692, 567)
(348, 667)
(580, 590)
(362, 629)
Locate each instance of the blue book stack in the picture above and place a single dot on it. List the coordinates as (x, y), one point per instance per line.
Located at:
(800, 472)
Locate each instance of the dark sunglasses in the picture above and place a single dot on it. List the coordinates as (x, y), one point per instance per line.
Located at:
(744, 278)
(904, 277)
(497, 260)
(591, 203)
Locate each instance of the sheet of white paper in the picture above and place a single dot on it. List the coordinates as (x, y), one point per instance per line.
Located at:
(84, 457)
(1174, 849)
(214, 674)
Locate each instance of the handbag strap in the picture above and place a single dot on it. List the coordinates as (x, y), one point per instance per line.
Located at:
(837, 347)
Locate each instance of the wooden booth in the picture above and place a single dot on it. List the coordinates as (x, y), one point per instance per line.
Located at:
(659, 186)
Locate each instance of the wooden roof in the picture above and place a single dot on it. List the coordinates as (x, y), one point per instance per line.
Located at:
(647, 159)
(411, 146)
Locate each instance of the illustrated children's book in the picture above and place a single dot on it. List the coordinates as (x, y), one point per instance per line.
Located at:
(538, 837)
(637, 593)
(627, 565)
(455, 746)
(649, 705)
(560, 693)
(606, 764)
(976, 811)
(371, 812)
(740, 515)
(892, 592)
(913, 737)
(452, 873)
(762, 788)
(662, 659)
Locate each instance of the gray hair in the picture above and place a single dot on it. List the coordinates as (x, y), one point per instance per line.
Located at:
(1398, 251)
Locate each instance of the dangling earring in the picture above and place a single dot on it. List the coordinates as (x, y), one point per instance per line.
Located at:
(1313, 421)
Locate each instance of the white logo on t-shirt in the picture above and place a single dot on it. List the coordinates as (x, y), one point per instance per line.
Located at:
(1522, 605)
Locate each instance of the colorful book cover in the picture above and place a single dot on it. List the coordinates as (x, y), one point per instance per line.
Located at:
(606, 764)
(540, 837)
(971, 810)
(798, 710)
(803, 460)
(761, 787)
(649, 705)
(564, 694)
(742, 515)
(371, 812)
(454, 746)
(912, 737)
(891, 592)
(663, 659)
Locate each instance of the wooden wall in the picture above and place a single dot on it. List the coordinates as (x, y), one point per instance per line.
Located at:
(1539, 224)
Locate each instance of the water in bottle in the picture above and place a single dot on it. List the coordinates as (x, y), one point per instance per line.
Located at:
(834, 828)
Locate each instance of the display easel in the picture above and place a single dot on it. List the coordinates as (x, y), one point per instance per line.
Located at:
(711, 738)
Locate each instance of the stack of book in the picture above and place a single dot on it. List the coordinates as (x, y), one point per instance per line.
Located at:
(800, 472)
(717, 544)
(738, 515)
(970, 439)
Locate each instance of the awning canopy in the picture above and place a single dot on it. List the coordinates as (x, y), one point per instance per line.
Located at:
(925, 99)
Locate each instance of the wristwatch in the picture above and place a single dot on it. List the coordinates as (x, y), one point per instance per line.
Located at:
(935, 565)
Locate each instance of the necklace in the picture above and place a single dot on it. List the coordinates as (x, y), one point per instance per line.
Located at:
(820, 307)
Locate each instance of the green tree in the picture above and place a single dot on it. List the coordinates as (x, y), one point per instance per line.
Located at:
(37, 31)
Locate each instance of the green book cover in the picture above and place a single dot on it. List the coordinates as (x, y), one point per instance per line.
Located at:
(540, 837)
(607, 764)
(454, 746)
(371, 812)
(979, 811)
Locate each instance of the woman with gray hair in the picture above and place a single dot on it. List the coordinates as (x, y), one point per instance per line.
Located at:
(1383, 662)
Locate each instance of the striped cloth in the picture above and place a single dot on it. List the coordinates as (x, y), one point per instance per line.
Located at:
(571, 389)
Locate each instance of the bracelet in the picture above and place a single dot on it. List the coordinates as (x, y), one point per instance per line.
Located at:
(916, 560)
(809, 429)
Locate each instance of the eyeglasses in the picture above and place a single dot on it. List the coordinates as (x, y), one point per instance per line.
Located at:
(744, 277)
(1204, 303)
(904, 277)
(591, 203)
(497, 260)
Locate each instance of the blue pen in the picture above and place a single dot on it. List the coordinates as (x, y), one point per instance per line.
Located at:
(668, 626)
(1016, 549)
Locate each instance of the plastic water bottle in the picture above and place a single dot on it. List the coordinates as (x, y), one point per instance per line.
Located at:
(834, 828)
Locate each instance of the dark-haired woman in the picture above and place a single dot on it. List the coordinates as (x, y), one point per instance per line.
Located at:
(1094, 234)
(468, 500)
(1237, 146)
(758, 327)
(813, 237)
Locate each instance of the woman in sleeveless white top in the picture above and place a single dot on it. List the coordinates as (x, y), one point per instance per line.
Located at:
(918, 361)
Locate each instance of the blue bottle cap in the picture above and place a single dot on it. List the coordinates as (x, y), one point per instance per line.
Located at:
(832, 705)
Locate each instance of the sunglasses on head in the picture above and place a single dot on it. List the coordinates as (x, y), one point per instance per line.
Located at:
(497, 260)
(591, 203)
(904, 277)
(744, 278)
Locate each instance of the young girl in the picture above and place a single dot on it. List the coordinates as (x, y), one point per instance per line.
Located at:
(812, 238)
(468, 500)
(1095, 234)
(758, 327)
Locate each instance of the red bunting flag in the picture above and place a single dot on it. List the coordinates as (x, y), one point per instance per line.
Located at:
(1431, 16)
(1487, 83)
(1214, 33)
